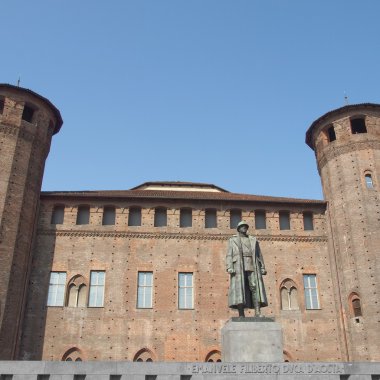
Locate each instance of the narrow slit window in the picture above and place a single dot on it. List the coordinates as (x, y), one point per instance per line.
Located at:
(210, 218)
(108, 216)
(260, 220)
(134, 218)
(186, 218)
(356, 307)
(2, 103)
(358, 126)
(369, 181)
(331, 134)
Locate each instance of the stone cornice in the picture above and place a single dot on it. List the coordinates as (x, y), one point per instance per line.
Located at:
(333, 151)
(172, 235)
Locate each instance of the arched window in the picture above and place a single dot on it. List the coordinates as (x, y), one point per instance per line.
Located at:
(355, 305)
(186, 217)
(144, 355)
(160, 217)
(235, 218)
(289, 295)
(213, 356)
(108, 216)
(134, 218)
(58, 214)
(83, 215)
(73, 355)
(368, 181)
(77, 292)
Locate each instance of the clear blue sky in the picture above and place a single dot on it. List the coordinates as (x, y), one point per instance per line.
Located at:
(211, 91)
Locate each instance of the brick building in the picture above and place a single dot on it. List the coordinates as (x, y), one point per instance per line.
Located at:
(139, 275)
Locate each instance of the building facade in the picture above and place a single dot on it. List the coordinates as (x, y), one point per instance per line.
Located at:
(139, 275)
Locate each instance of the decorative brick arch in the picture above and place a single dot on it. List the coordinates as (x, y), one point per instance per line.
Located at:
(289, 296)
(73, 354)
(144, 355)
(213, 356)
(76, 293)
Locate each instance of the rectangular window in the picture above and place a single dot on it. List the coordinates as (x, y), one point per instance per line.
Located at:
(160, 217)
(56, 294)
(235, 218)
(331, 134)
(260, 220)
(311, 291)
(83, 215)
(27, 114)
(186, 218)
(96, 297)
(210, 218)
(58, 215)
(284, 220)
(134, 218)
(185, 291)
(108, 216)
(144, 290)
(308, 224)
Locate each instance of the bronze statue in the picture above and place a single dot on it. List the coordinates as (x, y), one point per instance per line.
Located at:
(246, 267)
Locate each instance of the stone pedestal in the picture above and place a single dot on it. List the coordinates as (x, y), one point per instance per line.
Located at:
(256, 339)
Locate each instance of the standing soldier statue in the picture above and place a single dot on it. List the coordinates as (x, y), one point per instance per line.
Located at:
(246, 267)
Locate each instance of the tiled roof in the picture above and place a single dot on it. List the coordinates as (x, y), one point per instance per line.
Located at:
(177, 195)
(336, 112)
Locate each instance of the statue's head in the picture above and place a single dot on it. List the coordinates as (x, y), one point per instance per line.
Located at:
(241, 225)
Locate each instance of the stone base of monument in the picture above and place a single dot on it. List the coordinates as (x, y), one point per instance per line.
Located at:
(252, 339)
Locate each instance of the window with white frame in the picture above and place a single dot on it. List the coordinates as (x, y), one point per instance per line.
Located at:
(311, 291)
(185, 291)
(96, 296)
(144, 290)
(56, 294)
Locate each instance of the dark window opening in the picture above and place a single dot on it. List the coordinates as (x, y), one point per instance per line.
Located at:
(115, 377)
(2, 102)
(108, 216)
(58, 215)
(27, 114)
(43, 377)
(356, 307)
(260, 220)
(210, 219)
(284, 220)
(331, 134)
(134, 218)
(358, 126)
(83, 215)
(160, 217)
(308, 221)
(235, 218)
(150, 377)
(186, 218)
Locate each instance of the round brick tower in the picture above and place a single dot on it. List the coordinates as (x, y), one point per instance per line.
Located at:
(346, 143)
(27, 123)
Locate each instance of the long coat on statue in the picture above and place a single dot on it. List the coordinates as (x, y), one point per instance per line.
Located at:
(239, 292)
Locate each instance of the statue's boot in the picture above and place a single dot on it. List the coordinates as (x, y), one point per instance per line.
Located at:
(241, 310)
(256, 305)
